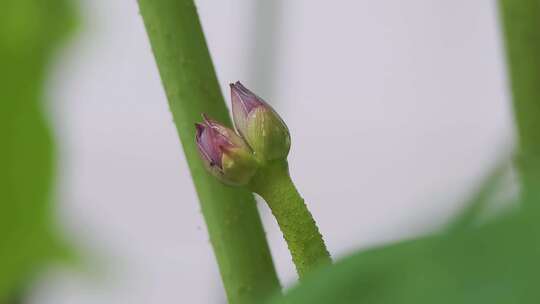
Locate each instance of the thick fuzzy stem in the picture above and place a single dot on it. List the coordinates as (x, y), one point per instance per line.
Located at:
(274, 184)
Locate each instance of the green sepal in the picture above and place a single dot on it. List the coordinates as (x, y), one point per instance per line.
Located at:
(267, 135)
(239, 166)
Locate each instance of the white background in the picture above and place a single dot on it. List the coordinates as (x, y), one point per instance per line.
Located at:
(396, 109)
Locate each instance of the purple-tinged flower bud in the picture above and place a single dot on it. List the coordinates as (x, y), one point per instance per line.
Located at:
(261, 127)
(224, 153)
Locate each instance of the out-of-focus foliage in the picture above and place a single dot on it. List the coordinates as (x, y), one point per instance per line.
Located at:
(497, 262)
(30, 31)
(520, 25)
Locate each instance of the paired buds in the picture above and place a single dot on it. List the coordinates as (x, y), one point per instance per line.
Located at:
(263, 137)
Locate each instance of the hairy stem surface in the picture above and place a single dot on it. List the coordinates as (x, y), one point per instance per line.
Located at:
(192, 88)
(274, 184)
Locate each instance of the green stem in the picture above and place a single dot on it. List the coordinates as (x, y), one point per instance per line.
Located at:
(521, 22)
(274, 184)
(192, 88)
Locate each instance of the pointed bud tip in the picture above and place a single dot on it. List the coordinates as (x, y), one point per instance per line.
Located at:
(243, 102)
(239, 88)
(236, 83)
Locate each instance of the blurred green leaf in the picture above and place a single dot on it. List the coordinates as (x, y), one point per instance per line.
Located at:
(30, 31)
(495, 263)
(520, 24)
(477, 204)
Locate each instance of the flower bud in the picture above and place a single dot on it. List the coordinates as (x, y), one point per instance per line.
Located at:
(261, 127)
(224, 153)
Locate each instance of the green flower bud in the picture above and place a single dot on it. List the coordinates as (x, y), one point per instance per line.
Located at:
(224, 153)
(261, 127)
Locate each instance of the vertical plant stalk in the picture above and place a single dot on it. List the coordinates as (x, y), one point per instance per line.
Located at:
(192, 88)
(274, 184)
(521, 22)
